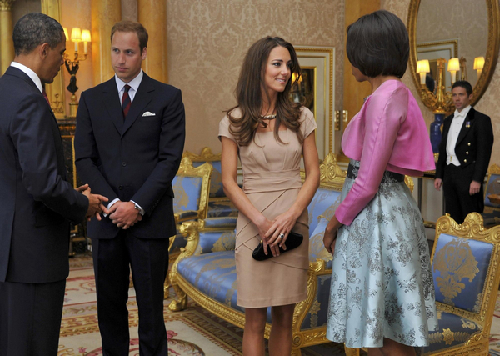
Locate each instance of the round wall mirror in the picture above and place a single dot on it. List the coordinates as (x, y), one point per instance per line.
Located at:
(447, 29)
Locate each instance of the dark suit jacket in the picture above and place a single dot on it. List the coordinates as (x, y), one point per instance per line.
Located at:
(474, 144)
(36, 201)
(132, 160)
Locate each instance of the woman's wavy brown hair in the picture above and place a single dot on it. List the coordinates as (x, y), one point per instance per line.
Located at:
(251, 86)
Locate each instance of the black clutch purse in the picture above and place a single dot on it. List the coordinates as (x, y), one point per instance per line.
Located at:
(293, 240)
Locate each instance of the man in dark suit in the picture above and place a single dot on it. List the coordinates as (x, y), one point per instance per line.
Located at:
(37, 202)
(129, 140)
(464, 155)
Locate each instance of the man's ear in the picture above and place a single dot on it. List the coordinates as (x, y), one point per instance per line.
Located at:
(43, 50)
(470, 97)
(144, 53)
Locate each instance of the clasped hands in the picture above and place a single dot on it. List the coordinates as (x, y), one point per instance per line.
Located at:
(96, 201)
(124, 214)
(274, 233)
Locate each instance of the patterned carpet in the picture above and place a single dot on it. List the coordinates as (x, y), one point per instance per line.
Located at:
(193, 332)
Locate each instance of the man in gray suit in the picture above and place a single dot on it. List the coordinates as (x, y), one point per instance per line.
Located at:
(37, 202)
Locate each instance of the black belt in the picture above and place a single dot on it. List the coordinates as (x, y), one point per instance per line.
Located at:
(388, 177)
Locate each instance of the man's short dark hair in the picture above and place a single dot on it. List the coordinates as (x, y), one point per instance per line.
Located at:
(33, 29)
(378, 44)
(463, 84)
(132, 27)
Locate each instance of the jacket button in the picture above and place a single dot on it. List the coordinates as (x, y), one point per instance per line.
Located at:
(124, 164)
(468, 143)
(465, 161)
(120, 187)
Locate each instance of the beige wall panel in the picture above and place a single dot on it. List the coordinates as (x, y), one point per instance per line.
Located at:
(151, 14)
(105, 13)
(206, 42)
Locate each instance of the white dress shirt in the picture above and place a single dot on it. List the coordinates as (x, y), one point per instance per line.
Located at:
(456, 126)
(134, 85)
(29, 73)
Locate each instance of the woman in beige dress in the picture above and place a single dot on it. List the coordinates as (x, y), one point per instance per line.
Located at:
(270, 134)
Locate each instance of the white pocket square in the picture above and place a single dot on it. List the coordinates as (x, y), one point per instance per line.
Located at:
(148, 113)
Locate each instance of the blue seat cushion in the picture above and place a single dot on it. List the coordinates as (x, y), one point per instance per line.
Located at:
(216, 190)
(214, 275)
(452, 330)
(221, 209)
(220, 223)
(216, 241)
(459, 269)
(324, 203)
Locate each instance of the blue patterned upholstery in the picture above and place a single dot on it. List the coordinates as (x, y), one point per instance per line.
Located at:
(213, 274)
(459, 271)
(220, 223)
(216, 190)
(187, 192)
(316, 247)
(215, 241)
(324, 203)
(220, 209)
(452, 330)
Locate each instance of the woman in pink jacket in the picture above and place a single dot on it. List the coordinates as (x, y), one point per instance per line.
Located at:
(382, 294)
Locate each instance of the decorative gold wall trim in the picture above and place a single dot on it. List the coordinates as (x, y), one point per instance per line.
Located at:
(55, 91)
(491, 50)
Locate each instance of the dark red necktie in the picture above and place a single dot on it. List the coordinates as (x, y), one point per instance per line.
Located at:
(126, 102)
(45, 96)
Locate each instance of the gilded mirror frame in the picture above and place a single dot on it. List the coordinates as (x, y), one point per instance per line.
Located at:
(491, 57)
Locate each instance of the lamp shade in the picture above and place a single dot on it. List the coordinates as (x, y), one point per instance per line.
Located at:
(478, 63)
(66, 33)
(423, 66)
(86, 36)
(453, 65)
(76, 34)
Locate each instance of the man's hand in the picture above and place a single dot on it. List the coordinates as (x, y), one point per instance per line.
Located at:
(475, 187)
(95, 204)
(82, 188)
(124, 214)
(438, 182)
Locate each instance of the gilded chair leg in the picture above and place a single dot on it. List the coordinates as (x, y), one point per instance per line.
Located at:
(166, 287)
(296, 352)
(351, 352)
(180, 302)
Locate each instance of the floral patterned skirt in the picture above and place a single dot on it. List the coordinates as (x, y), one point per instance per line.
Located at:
(381, 275)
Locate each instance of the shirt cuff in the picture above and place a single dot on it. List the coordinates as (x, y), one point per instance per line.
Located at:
(138, 207)
(110, 205)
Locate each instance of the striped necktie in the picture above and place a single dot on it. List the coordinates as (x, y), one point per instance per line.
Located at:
(126, 102)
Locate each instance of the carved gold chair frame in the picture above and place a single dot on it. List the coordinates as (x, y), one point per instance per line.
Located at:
(206, 156)
(332, 177)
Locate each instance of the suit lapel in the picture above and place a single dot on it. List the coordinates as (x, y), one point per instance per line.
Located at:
(112, 103)
(466, 125)
(142, 98)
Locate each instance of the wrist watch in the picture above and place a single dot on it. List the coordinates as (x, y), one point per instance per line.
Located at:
(139, 209)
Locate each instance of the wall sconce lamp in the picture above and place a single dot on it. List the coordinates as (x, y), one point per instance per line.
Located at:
(422, 69)
(453, 67)
(72, 63)
(478, 65)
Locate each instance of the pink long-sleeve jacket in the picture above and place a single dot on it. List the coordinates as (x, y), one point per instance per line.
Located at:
(389, 133)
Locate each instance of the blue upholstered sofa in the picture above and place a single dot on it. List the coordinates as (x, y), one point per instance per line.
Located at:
(221, 212)
(205, 270)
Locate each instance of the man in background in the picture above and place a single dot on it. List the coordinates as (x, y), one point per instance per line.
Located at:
(37, 203)
(129, 140)
(464, 155)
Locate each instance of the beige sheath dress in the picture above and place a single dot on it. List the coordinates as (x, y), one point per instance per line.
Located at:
(271, 180)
